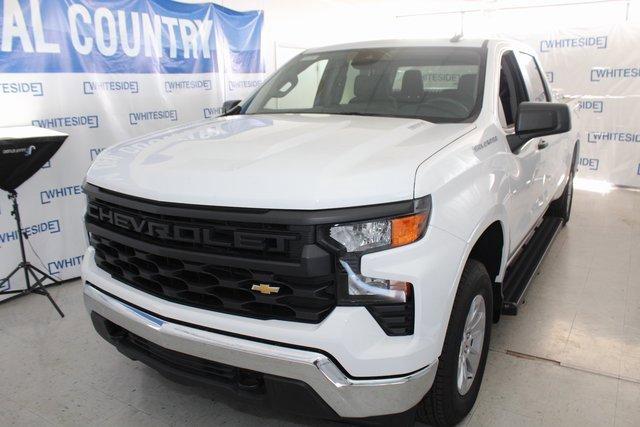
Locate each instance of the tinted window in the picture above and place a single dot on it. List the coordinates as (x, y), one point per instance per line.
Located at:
(533, 78)
(511, 91)
(437, 84)
(303, 92)
(437, 78)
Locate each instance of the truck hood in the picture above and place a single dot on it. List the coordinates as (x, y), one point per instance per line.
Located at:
(284, 161)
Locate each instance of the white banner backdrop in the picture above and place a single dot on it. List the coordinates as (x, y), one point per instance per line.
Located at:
(598, 69)
(104, 72)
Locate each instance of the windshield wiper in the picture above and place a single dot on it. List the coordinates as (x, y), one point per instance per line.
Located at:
(357, 113)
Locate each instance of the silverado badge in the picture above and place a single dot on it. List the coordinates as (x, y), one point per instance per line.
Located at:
(263, 288)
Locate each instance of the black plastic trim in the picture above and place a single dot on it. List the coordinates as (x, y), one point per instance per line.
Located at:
(396, 320)
(250, 338)
(267, 216)
(278, 267)
(522, 270)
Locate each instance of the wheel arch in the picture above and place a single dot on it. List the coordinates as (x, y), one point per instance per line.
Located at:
(489, 234)
(489, 245)
(492, 235)
(489, 249)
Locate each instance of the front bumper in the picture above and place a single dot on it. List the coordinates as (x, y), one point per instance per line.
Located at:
(347, 397)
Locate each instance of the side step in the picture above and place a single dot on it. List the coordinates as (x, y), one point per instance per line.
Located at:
(520, 273)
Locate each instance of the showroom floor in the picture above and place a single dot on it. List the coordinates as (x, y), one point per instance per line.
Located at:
(571, 357)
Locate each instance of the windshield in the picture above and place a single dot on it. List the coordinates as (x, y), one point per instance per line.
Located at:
(438, 84)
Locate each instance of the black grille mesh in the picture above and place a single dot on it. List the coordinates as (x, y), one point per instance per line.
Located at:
(394, 319)
(204, 369)
(216, 287)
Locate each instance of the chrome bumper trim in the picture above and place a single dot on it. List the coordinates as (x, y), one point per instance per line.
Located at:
(348, 397)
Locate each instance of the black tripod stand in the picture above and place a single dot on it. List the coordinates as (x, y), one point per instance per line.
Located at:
(29, 270)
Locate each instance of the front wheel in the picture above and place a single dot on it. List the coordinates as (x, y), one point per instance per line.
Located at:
(464, 354)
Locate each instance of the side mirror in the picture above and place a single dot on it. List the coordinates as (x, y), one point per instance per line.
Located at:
(228, 106)
(536, 119)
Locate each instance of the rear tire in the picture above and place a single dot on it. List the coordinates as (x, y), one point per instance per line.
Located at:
(449, 399)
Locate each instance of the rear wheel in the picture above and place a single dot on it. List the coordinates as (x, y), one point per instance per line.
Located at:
(464, 354)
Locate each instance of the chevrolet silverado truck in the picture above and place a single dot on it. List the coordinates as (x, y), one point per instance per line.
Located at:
(339, 243)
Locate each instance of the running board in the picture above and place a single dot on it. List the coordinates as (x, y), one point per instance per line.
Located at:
(520, 273)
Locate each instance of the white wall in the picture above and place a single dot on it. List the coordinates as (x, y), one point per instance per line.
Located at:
(291, 25)
(517, 18)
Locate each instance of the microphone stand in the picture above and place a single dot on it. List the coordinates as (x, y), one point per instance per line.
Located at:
(36, 287)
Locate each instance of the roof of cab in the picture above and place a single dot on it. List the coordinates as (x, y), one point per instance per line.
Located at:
(399, 43)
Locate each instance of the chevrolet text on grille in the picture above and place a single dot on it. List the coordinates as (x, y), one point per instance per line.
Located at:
(188, 233)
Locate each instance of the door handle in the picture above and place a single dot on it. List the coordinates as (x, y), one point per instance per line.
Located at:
(542, 144)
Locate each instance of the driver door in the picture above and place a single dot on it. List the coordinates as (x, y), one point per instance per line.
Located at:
(525, 204)
(550, 146)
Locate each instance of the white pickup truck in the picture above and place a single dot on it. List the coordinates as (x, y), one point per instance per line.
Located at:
(339, 243)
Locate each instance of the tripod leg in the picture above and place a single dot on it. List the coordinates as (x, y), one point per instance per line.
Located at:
(42, 290)
(46, 275)
(38, 287)
(6, 279)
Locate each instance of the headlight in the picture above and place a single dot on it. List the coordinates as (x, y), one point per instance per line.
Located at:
(384, 233)
(353, 240)
(362, 236)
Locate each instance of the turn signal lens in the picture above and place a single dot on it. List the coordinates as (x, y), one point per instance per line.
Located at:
(408, 229)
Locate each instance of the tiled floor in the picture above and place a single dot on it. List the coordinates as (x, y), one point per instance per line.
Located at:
(571, 357)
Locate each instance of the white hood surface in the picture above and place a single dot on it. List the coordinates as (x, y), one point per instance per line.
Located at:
(284, 161)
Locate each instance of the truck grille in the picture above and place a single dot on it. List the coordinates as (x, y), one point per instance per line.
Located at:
(212, 262)
(225, 237)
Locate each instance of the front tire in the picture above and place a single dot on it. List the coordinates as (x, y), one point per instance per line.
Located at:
(464, 354)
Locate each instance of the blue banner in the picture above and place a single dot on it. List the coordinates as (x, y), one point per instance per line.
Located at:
(127, 36)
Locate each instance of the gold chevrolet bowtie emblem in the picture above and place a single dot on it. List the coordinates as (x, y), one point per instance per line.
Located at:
(263, 288)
